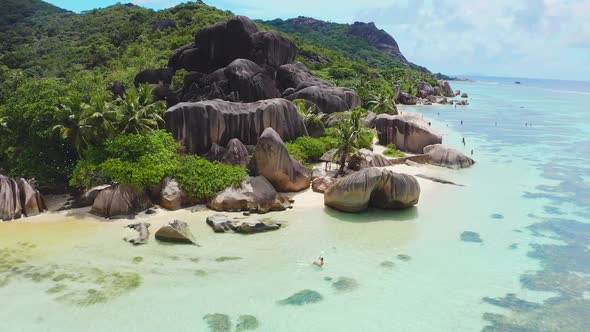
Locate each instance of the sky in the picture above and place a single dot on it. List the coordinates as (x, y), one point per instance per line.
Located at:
(513, 38)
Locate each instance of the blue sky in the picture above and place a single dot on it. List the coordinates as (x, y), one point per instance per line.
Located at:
(518, 38)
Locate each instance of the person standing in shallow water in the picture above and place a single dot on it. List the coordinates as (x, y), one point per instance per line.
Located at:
(463, 141)
(319, 262)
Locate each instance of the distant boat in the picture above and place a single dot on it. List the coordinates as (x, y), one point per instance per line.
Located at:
(517, 82)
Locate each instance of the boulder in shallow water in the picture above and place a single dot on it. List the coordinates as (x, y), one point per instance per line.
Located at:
(177, 231)
(200, 125)
(408, 132)
(143, 233)
(120, 201)
(442, 155)
(317, 172)
(376, 187)
(220, 223)
(255, 193)
(274, 163)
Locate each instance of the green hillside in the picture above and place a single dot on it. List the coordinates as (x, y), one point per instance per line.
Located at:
(50, 56)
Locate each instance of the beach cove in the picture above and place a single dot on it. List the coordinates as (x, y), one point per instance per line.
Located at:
(386, 269)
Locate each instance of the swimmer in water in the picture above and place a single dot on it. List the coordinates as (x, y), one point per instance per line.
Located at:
(319, 262)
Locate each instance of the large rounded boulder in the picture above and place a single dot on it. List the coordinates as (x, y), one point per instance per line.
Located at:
(255, 193)
(120, 201)
(32, 203)
(274, 163)
(442, 155)
(200, 125)
(408, 132)
(171, 196)
(373, 187)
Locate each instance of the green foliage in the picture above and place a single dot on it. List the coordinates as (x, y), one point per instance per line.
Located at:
(138, 160)
(383, 104)
(202, 179)
(139, 114)
(310, 149)
(392, 151)
(351, 136)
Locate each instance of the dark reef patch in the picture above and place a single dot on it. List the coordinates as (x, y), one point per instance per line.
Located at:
(403, 257)
(227, 258)
(305, 296)
(496, 216)
(247, 322)
(218, 322)
(387, 264)
(512, 302)
(469, 236)
(345, 284)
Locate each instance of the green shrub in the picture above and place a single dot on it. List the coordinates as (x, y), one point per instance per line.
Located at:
(392, 151)
(310, 149)
(202, 179)
(137, 160)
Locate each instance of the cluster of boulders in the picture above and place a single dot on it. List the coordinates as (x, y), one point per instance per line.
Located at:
(221, 223)
(177, 231)
(428, 95)
(19, 198)
(410, 133)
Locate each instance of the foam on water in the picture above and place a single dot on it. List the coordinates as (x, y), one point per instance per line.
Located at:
(405, 271)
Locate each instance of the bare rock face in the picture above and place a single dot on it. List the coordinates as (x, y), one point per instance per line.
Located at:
(366, 158)
(304, 85)
(447, 91)
(317, 172)
(215, 153)
(321, 184)
(215, 46)
(442, 155)
(255, 193)
(154, 76)
(143, 233)
(177, 231)
(200, 125)
(241, 81)
(408, 132)
(19, 198)
(235, 154)
(120, 201)
(220, 223)
(171, 196)
(425, 90)
(376, 187)
(32, 203)
(88, 196)
(407, 99)
(277, 166)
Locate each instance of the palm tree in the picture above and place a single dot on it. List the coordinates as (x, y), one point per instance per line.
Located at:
(100, 117)
(71, 116)
(312, 120)
(382, 103)
(139, 114)
(350, 133)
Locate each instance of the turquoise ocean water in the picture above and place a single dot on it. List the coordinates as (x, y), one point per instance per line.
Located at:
(527, 197)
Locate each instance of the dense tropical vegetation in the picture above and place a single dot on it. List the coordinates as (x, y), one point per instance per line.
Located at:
(60, 124)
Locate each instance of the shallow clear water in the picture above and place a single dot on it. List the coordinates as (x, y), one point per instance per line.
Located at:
(528, 198)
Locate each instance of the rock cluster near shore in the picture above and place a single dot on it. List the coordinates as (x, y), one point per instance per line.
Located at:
(375, 187)
(408, 132)
(19, 198)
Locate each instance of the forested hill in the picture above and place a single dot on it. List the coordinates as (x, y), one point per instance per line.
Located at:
(50, 56)
(359, 41)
